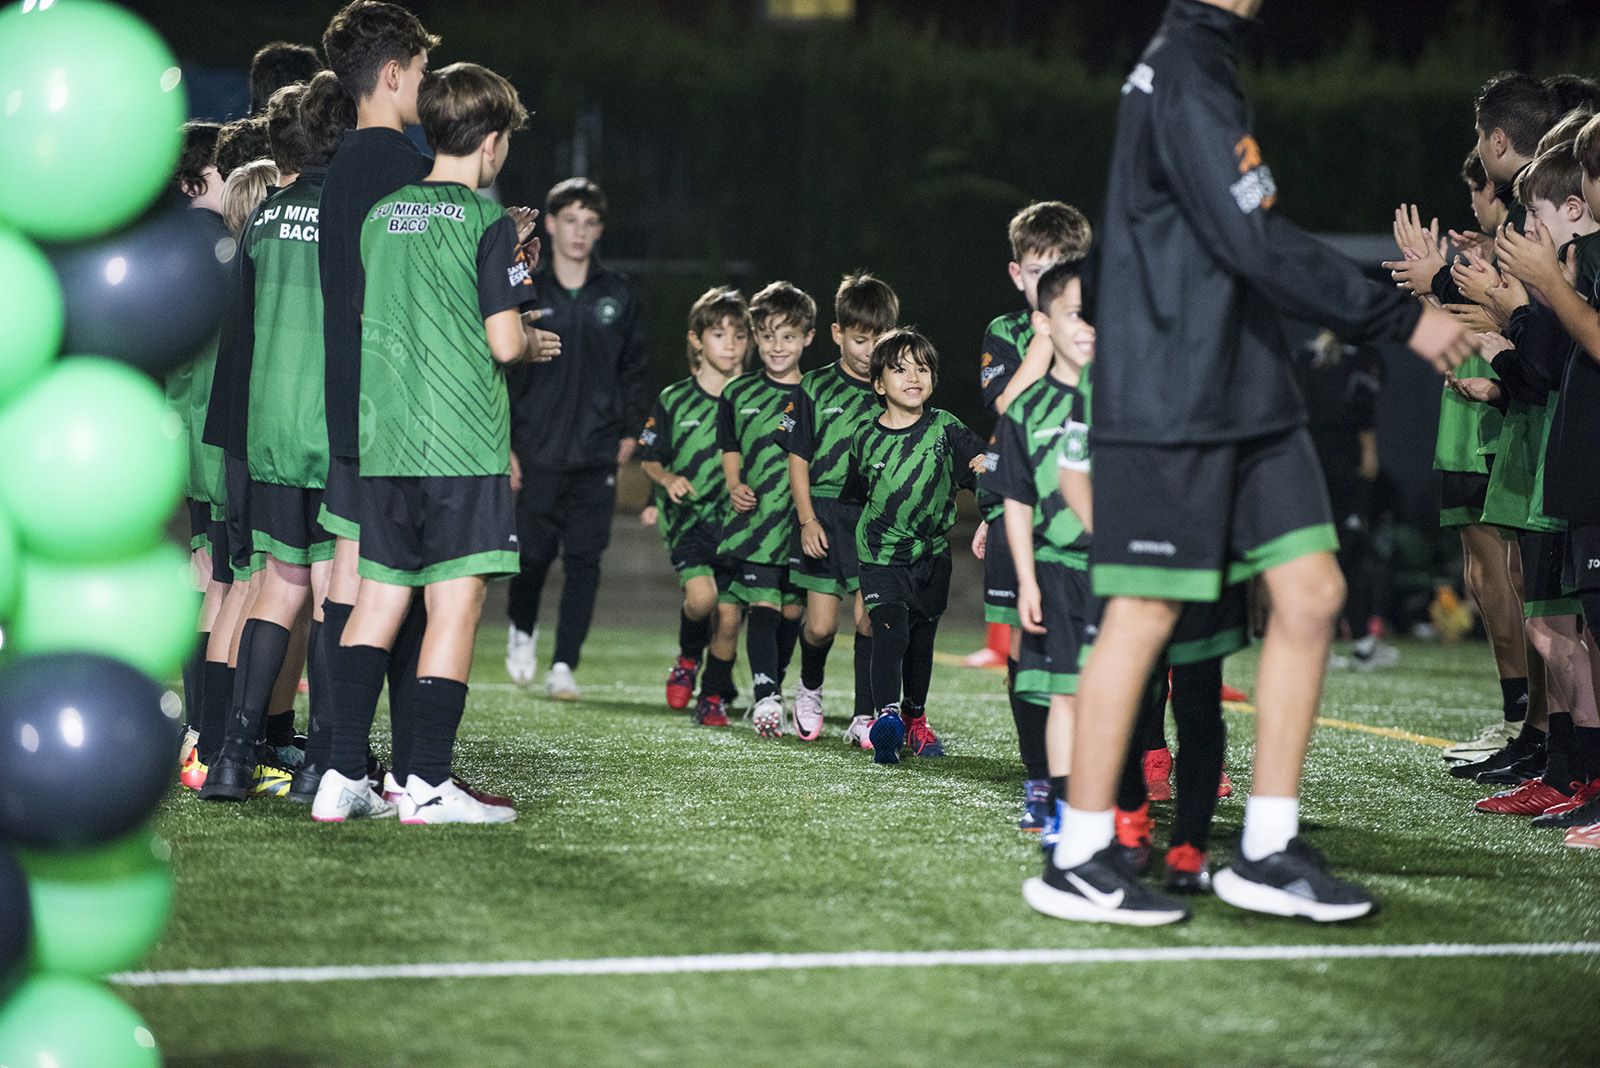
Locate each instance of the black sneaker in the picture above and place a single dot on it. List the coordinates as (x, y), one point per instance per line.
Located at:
(1292, 882)
(1587, 812)
(307, 777)
(1529, 766)
(230, 778)
(1504, 757)
(1100, 890)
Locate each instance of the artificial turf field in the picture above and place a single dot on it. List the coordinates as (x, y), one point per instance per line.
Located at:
(642, 835)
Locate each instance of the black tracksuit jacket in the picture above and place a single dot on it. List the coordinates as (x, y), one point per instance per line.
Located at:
(1195, 270)
(571, 413)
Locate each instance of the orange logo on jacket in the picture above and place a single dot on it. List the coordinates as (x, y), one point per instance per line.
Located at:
(1248, 154)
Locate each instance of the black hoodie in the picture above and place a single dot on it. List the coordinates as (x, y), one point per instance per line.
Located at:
(1195, 270)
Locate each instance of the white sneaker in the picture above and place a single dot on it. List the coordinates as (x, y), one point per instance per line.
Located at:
(447, 803)
(768, 717)
(392, 790)
(339, 799)
(860, 731)
(560, 684)
(807, 713)
(520, 662)
(1379, 658)
(1491, 739)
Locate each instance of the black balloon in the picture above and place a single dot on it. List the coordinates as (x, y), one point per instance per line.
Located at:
(150, 295)
(88, 746)
(16, 921)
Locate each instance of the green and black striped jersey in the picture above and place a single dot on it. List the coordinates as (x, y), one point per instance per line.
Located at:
(1028, 438)
(827, 411)
(681, 435)
(907, 480)
(1005, 344)
(753, 407)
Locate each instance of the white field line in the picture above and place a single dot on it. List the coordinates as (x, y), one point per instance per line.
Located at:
(764, 962)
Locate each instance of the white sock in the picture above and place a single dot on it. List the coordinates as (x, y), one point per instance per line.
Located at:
(1083, 834)
(1269, 823)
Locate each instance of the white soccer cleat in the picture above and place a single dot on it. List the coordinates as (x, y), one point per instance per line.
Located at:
(392, 790)
(768, 717)
(339, 799)
(1492, 739)
(520, 662)
(560, 684)
(808, 713)
(447, 803)
(860, 731)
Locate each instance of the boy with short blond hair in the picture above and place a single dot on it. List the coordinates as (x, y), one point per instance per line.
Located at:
(833, 401)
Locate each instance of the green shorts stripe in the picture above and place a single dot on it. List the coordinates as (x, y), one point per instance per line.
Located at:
(258, 564)
(825, 584)
(487, 564)
(348, 529)
(993, 613)
(1459, 517)
(1037, 687)
(1157, 583)
(1556, 606)
(289, 554)
(739, 593)
(1318, 538)
(694, 571)
(1203, 649)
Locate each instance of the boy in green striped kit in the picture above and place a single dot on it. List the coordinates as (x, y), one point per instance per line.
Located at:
(446, 280)
(834, 400)
(758, 527)
(905, 467)
(679, 452)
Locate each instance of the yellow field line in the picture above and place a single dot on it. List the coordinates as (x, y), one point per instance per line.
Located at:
(951, 660)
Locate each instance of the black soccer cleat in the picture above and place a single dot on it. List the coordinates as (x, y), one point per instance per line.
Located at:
(1100, 890)
(1529, 766)
(1582, 810)
(229, 779)
(307, 777)
(1504, 757)
(1292, 882)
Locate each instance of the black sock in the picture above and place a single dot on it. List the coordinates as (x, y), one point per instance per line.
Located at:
(262, 647)
(814, 663)
(1514, 699)
(863, 675)
(788, 636)
(917, 671)
(403, 660)
(1531, 737)
(717, 678)
(1590, 600)
(891, 637)
(317, 684)
(194, 674)
(1153, 710)
(358, 680)
(1202, 744)
(692, 636)
(1030, 721)
(1058, 788)
(279, 728)
(439, 703)
(1587, 763)
(1561, 752)
(322, 657)
(216, 693)
(761, 642)
(1131, 792)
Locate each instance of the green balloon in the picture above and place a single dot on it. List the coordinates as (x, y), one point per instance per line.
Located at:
(141, 610)
(64, 1022)
(98, 910)
(91, 115)
(94, 462)
(10, 565)
(32, 317)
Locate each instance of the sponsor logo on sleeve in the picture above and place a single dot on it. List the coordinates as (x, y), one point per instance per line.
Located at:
(1255, 187)
(1143, 78)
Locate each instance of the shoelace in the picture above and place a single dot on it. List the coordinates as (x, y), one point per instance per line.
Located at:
(921, 734)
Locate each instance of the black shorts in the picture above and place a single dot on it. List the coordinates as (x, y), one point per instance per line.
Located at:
(1582, 574)
(1049, 663)
(241, 556)
(745, 582)
(1180, 522)
(1544, 556)
(1461, 496)
(694, 552)
(419, 529)
(340, 514)
(1209, 630)
(837, 573)
(216, 540)
(199, 524)
(284, 519)
(999, 576)
(923, 587)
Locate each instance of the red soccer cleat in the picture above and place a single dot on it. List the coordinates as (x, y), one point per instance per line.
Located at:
(1187, 872)
(1135, 832)
(193, 773)
(1158, 774)
(1583, 837)
(680, 683)
(709, 712)
(1229, 694)
(921, 739)
(1532, 798)
(1224, 784)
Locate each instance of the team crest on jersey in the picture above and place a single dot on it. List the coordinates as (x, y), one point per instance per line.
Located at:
(786, 421)
(647, 436)
(1255, 187)
(608, 310)
(990, 372)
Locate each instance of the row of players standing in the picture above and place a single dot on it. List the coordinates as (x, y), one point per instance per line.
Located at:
(363, 421)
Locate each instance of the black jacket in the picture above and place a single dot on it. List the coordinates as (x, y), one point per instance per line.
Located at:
(572, 412)
(1194, 268)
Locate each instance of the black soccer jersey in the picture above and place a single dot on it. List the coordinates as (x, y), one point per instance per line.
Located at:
(752, 408)
(1004, 346)
(908, 479)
